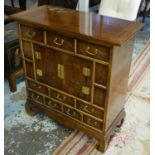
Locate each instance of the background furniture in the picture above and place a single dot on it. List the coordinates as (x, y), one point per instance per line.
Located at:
(81, 5)
(144, 9)
(123, 9)
(12, 54)
(12, 62)
(88, 5)
(11, 9)
(62, 3)
(76, 67)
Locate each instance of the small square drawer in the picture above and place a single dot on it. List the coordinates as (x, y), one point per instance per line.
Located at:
(38, 87)
(93, 51)
(92, 122)
(32, 33)
(52, 104)
(27, 49)
(99, 96)
(89, 109)
(62, 98)
(60, 41)
(35, 97)
(29, 69)
(101, 74)
(72, 113)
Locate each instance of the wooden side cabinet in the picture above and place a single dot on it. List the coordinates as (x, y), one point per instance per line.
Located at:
(76, 67)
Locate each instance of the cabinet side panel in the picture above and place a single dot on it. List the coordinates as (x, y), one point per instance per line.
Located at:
(120, 68)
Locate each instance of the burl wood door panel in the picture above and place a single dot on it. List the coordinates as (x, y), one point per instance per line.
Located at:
(63, 71)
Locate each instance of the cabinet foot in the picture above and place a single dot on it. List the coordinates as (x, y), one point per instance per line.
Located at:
(30, 109)
(101, 146)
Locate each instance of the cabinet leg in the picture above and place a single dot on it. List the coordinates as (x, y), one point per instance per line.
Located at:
(30, 109)
(101, 146)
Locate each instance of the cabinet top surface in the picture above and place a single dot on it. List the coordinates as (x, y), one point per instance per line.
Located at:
(79, 24)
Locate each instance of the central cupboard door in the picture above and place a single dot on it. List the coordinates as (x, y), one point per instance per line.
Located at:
(63, 71)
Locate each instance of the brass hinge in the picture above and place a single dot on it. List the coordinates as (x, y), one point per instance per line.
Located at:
(86, 71)
(39, 72)
(85, 90)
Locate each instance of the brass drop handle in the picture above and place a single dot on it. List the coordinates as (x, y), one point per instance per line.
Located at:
(89, 111)
(34, 84)
(71, 114)
(90, 52)
(34, 96)
(50, 104)
(60, 99)
(30, 34)
(55, 41)
(54, 105)
(37, 86)
(91, 123)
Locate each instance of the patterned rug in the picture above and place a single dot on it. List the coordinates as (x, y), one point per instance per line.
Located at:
(133, 137)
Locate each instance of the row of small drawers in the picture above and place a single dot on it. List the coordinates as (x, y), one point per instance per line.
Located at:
(63, 108)
(61, 98)
(66, 43)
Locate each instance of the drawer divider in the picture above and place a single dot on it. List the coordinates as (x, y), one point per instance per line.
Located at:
(45, 37)
(33, 59)
(75, 46)
(100, 86)
(49, 92)
(93, 81)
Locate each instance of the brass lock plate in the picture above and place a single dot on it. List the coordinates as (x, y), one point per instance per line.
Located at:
(39, 72)
(86, 71)
(85, 90)
(60, 71)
